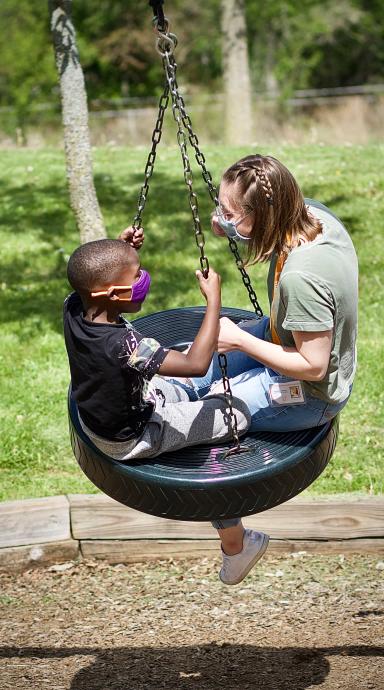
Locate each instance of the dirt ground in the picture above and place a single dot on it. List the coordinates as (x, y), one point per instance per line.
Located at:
(297, 622)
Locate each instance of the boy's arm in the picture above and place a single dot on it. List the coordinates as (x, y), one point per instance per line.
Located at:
(197, 360)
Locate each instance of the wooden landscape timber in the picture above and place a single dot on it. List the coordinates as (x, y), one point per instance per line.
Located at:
(34, 521)
(40, 532)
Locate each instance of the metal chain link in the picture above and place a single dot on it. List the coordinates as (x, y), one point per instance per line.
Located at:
(180, 116)
(245, 278)
(232, 419)
(169, 68)
(166, 43)
(207, 177)
(200, 158)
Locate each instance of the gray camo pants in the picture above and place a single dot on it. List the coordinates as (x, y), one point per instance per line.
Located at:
(176, 423)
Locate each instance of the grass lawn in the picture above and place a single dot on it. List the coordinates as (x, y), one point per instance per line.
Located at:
(38, 233)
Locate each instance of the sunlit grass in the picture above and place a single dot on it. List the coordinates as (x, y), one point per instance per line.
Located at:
(38, 233)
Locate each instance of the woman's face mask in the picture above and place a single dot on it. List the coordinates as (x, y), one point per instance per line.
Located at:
(230, 226)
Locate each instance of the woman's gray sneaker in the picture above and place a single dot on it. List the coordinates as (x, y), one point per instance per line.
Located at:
(235, 568)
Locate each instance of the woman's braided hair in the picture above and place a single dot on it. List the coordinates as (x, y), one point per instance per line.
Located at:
(265, 183)
(264, 187)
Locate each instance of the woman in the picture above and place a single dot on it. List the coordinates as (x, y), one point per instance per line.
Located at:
(295, 369)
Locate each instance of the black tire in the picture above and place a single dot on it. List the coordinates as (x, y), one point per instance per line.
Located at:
(197, 483)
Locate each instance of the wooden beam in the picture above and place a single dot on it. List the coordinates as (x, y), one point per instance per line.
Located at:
(20, 558)
(37, 532)
(34, 521)
(134, 551)
(100, 517)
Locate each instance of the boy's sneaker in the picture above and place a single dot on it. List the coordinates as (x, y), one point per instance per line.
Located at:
(236, 567)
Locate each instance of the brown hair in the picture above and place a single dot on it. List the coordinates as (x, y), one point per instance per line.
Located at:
(265, 188)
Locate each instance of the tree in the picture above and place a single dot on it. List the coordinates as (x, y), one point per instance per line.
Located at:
(236, 74)
(117, 45)
(75, 121)
(301, 44)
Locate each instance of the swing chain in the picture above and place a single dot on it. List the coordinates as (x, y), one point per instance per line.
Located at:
(180, 116)
(245, 278)
(156, 136)
(166, 43)
(200, 158)
(232, 419)
(207, 177)
(166, 51)
(177, 111)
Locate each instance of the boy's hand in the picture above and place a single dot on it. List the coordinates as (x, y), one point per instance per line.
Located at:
(133, 236)
(210, 286)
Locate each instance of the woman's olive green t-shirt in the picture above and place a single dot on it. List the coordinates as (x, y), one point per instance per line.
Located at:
(318, 291)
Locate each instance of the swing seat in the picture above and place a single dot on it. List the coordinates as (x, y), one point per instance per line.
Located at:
(197, 483)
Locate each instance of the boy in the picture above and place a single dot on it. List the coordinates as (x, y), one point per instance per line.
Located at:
(125, 407)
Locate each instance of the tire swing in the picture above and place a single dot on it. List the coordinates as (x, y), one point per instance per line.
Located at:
(204, 482)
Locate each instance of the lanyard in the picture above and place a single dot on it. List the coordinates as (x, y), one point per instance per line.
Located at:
(278, 269)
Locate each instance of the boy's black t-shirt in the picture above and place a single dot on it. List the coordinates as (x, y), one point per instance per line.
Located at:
(111, 365)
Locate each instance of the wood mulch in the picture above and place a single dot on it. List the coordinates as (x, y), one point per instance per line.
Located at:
(297, 622)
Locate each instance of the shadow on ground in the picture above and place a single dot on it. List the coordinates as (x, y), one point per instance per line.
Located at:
(205, 667)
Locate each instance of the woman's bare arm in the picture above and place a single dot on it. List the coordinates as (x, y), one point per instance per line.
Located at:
(308, 361)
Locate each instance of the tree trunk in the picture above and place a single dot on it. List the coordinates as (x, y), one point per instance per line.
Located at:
(271, 83)
(75, 121)
(236, 74)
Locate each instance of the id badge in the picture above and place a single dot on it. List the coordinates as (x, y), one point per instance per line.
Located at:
(283, 392)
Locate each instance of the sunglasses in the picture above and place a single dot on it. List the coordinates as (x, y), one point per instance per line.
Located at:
(122, 288)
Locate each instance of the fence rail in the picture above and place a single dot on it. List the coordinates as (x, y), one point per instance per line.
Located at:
(299, 97)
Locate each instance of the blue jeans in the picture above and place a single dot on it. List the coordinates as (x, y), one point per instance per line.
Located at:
(250, 381)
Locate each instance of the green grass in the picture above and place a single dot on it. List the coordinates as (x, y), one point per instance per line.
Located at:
(38, 233)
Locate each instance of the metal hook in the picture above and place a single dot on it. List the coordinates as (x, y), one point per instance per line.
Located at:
(159, 20)
(161, 27)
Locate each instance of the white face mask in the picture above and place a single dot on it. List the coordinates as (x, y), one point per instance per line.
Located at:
(230, 227)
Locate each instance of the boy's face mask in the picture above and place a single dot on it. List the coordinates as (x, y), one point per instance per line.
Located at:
(230, 226)
(139, 289)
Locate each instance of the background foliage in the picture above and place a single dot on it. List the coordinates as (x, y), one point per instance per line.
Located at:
(292, 44)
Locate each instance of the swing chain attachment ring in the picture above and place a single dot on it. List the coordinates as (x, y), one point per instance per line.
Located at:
(166, 43)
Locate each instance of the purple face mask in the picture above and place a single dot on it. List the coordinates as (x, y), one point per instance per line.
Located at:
(141, 287)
